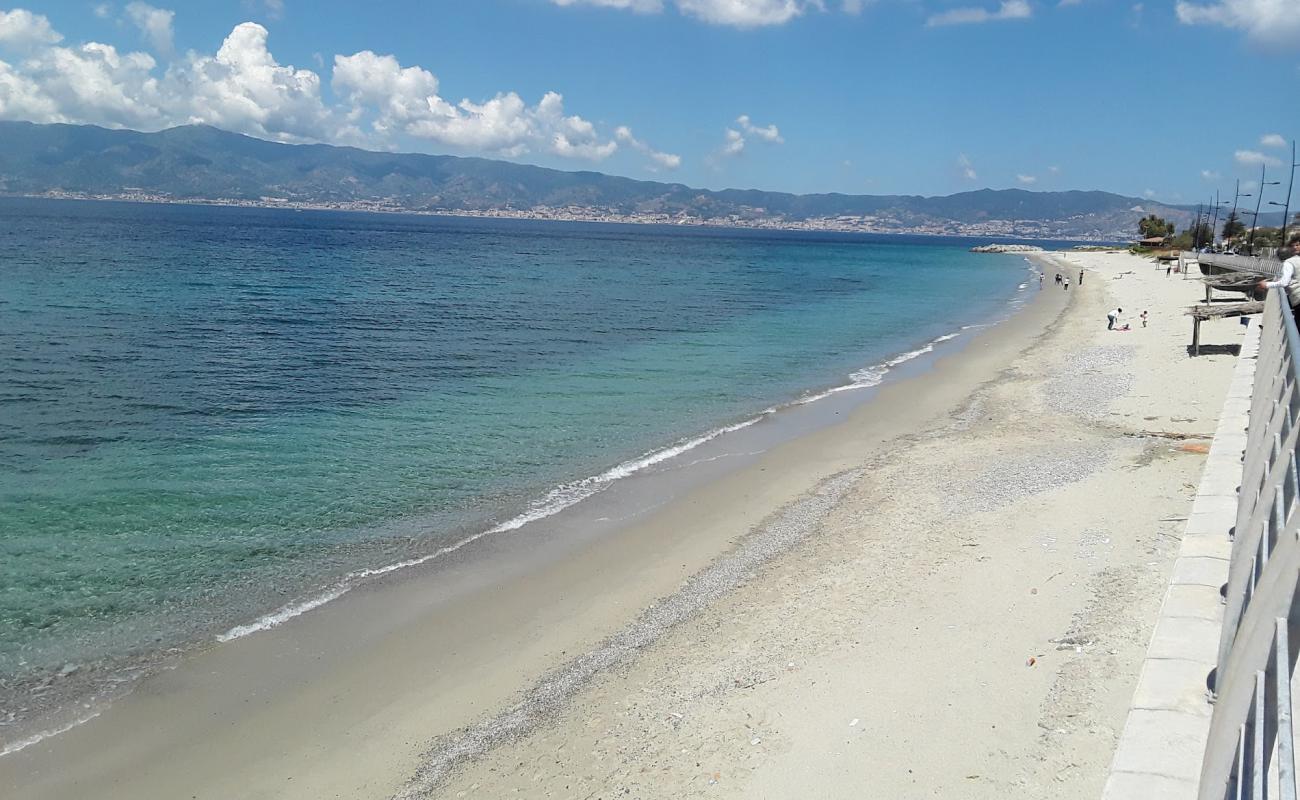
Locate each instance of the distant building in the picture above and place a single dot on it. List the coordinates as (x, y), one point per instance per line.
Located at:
(1155, 241)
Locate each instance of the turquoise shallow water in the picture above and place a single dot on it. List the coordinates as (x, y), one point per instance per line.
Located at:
(206, 413)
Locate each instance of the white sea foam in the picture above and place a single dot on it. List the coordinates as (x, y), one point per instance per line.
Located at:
(570, 494)
(552, 503)
(23, 744)
(867, 377)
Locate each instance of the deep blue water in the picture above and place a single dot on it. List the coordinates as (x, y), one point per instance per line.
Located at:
(208, 412)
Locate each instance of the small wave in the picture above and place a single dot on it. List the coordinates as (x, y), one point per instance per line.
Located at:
(868, 377)
(570, 494)
(552, 503)
(23, 744)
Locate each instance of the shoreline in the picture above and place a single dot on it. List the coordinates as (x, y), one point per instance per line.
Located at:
(371, 588)
(848, 395)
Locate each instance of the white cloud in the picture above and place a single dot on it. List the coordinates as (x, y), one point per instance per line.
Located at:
(406, 100)
(1269, 21)
(1055, 170)
(22, 98)
(21, 28)
(1272, 140)
(103, 10)
(1009, 9)
(661, 160)
(154, 23)
(736, 13)
(967, 168)
(1027, 180)
(767, 133)
(743, 13)
(735, 143)
(243, 88)
(1210, 175)
(1149, 193)
(642, 6)
(1253, 158)
(89, 83)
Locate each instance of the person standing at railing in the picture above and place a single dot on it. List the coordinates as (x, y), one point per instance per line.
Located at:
(1289, 266)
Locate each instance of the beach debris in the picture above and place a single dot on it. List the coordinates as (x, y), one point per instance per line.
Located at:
(756, 740)
(1034, 590)
(1175, 435)
(854, 723)
(1032, 661)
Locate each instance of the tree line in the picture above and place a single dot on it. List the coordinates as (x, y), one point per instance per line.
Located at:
(1234, 232)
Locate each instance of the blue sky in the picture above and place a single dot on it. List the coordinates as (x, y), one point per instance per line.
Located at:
(1168, 98)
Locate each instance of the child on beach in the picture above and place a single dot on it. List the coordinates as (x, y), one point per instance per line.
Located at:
(1143, 315)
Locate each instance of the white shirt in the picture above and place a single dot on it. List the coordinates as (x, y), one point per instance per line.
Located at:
(1114, 314)
(1285, 277)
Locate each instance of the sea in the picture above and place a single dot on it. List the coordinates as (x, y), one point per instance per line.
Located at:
(213, 419)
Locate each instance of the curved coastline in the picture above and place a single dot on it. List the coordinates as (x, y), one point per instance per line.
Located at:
(555, 501)
(565, 497)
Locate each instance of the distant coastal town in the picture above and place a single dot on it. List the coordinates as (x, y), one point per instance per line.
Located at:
(752, 218)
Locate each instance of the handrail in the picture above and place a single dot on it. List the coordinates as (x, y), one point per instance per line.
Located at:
(1251, 264)
(1251, 724)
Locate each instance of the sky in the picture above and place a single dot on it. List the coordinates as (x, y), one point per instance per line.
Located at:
(1166, 99)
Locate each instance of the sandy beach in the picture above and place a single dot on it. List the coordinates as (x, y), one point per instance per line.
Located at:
(948, 593)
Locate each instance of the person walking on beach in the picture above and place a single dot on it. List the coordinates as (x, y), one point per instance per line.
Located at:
(1112, 318)
(1169, 268)
(1041, 275)
(1080, 277)
(1058, 279)
(1067, 284)
(1143, 315)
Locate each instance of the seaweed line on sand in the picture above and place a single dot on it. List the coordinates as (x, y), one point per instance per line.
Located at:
(779, 533)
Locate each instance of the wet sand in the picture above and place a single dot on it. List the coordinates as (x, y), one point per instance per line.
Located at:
(898, 569)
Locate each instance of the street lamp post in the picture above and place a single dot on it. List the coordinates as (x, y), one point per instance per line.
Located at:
(1286, 207)
(1214, 226)
(1250, 242)
(1236, 195)
(1281, 242)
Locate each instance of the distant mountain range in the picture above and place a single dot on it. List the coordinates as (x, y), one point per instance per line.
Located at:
(199, 163)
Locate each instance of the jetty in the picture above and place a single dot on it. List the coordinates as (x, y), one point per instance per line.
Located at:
(1007, 248)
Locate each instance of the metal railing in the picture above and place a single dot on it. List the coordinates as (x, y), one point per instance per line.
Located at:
(1259, 266)
(1250, 731)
